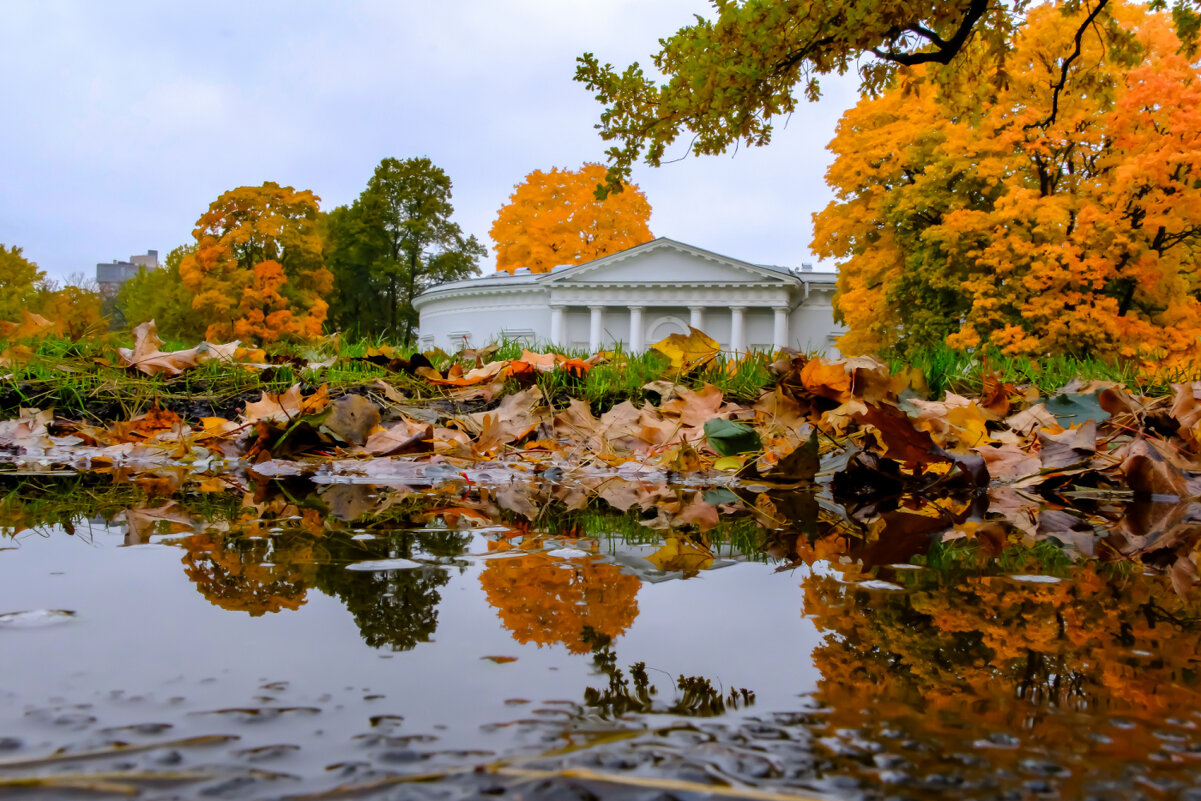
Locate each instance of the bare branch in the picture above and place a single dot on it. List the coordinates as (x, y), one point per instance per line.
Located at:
(1059, 85)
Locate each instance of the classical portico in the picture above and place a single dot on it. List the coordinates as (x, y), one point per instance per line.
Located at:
(634, 298)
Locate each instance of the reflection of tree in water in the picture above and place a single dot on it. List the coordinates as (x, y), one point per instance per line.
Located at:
(696, 695)
(547, 600)
(1039, 665)
(394, 608)
(253, 575)
(256, 570)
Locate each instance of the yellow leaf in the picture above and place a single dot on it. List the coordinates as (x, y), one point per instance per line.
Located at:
(687, 351)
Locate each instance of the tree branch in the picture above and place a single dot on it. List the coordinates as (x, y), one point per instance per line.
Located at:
(1059, 85)
(945, 50)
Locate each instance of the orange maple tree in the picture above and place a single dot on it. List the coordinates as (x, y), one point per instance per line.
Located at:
(258, 271)
(969, 217)
(554, 218)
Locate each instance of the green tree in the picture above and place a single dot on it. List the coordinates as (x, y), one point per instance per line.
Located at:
(19, 279)
(160, 295)
(394, 242)
(358, 306)
(728, 78)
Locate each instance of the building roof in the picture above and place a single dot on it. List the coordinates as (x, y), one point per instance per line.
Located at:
(523, 277)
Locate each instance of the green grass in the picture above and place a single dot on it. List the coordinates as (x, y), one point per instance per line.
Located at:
(84, 380)
(963, 373)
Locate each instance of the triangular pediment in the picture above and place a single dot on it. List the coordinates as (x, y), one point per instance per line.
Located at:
(665, 260)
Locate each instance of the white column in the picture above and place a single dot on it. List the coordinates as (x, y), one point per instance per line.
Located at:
(780, 331)
(696, 317)
(595, 326)
(737, 329)
(635, 329)
(556, 325)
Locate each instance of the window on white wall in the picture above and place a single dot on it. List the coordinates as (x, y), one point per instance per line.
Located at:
(460, 339)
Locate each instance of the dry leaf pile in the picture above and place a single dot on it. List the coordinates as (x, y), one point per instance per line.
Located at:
(883, 459)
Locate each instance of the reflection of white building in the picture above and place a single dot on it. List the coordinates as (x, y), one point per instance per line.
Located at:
(637, 297)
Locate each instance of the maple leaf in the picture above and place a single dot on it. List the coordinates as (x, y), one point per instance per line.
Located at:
(286, 406)
(688, 351)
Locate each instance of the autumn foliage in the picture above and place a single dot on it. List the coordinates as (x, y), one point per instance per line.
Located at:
(258, 271)
(547, 600)
(968, 216)
(554, 218)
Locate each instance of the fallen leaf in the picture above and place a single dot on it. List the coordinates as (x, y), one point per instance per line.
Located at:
(1068, 448)
(687, 351)
(1149, 471)
(729, 438)
(350, 418)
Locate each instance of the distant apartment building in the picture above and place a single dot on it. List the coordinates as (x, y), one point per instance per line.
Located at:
(109, 277)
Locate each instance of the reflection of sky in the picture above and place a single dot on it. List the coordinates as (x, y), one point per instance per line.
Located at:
(143, 629)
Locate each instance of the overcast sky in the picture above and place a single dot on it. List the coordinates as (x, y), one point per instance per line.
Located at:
(123, 120)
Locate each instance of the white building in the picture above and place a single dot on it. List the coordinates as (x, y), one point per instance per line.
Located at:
(636, 297)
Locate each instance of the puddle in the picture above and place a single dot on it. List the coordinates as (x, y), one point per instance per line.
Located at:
(262, 641)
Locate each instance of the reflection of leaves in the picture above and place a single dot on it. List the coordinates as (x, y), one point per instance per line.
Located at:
(959, 652)
(256, 576)
(682, 554)
(547, 600)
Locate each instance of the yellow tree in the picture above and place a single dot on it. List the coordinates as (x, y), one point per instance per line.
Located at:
(729, 75)
(19, 278)
(555, 218)
(75, 307)
(972, 217)
(258, 270)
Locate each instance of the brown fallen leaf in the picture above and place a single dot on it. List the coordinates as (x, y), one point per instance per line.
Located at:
(349, 502)
(518, 498)
(285, 406)
(147, 357)
(1186, 411)
(403, 438)
(350, 418)
(1149, 470)
(516, 416)
(1007, 461)
(387, 390)
(899, 439)
(703, 515)
(694, 407)
(1068, 448)
(1032, 419)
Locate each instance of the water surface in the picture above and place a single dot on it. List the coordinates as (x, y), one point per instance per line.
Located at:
(289, 640)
